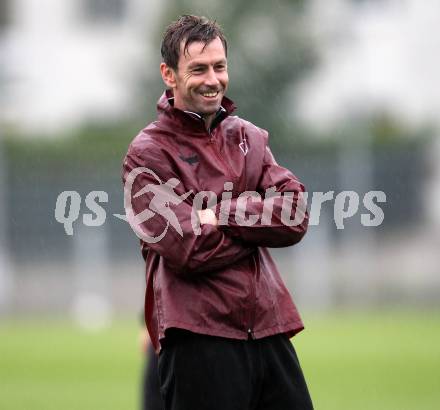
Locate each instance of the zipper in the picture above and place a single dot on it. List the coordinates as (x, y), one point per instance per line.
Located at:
(252, 311)
(212, 143)
(253, 296)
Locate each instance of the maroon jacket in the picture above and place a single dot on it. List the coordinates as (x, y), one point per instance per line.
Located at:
(222, 282)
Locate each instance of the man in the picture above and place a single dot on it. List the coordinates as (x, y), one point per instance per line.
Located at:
(215, 305)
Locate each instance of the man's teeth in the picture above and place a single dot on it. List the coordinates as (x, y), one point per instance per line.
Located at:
(210, 94)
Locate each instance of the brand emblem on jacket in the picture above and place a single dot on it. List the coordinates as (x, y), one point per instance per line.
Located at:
(244, 147)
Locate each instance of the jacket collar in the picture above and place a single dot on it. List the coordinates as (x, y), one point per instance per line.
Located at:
(188, 120)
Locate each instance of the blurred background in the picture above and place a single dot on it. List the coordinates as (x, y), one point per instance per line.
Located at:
(350, 93)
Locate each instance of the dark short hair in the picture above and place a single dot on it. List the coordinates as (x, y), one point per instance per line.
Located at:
(189, 29)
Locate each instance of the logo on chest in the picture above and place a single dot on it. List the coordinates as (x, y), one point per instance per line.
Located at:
(244, 147)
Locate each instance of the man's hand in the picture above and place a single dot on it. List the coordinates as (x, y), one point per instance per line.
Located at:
(144, 340)
(207, 217)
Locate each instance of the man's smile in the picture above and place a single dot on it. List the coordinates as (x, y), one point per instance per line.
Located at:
(211, 94)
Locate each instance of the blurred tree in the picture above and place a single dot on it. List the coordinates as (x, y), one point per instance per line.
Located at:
(269, 52)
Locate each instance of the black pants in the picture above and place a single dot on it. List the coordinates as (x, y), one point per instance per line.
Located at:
(199, 372)
(151, 398)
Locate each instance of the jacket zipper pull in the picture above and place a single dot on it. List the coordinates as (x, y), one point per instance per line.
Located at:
(211, 136)
(250, 334)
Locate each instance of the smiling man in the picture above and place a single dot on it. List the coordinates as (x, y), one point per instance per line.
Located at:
(216, 308)
(199, 78)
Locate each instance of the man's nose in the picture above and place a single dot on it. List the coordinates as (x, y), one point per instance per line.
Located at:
(211, 78)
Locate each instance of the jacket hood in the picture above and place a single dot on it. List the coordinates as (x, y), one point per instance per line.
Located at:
(175, 117)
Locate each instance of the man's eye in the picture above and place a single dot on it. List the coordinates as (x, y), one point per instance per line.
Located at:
(220, 67)
(197, 70)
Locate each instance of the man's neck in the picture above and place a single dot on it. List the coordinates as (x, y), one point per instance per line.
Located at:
(208, 120)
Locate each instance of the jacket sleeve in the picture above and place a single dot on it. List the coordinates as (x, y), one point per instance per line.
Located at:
(275, 223)
(185, 252)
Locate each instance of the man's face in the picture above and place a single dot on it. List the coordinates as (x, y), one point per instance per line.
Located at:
(201, 79)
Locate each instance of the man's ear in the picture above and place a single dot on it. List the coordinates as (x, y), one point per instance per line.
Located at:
(168, 75)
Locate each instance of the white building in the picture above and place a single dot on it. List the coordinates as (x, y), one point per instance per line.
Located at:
(65, 62)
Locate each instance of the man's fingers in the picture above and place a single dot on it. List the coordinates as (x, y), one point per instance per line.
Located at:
(207, 216)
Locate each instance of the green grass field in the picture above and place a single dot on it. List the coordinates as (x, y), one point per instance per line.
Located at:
(352, 361)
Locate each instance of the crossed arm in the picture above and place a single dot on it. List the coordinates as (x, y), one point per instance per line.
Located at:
(217, 246)
(270, 228)
(187, 254)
